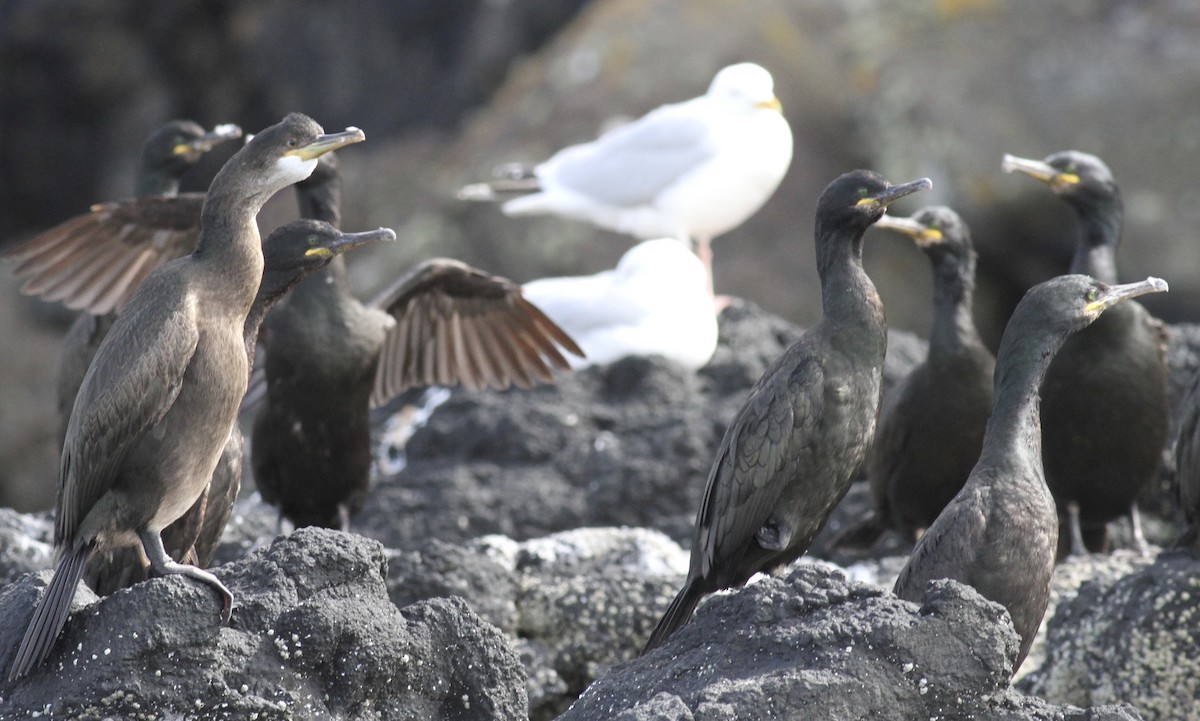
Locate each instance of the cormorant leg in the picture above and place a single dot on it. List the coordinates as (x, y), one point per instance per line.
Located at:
(343, 518)
(1078, 548)
(162, 565)
(774, 535)
(1139, 538)
(279, 522)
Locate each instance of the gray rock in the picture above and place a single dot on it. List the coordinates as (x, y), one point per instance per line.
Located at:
(573, 604)
(25, 544)
(629, 443)
(313, 636)
(436, 569)
(812, 645)
(1133, 638)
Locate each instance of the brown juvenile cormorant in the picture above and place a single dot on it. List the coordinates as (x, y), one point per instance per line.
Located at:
(95, 261)
(290, 253)
(1000, 533)
(156, 407)
(931, 425)
(1104, 406)
(329, 358)
(791, 452)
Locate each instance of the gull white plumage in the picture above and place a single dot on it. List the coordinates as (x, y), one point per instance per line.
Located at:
(656, 301)
(690, 170)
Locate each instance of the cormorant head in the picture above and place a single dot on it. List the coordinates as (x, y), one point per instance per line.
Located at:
(302, 247)
(747, 85)
(937, 230)
(179, 144)
(859, 198)
(284, 153)
(1081, 179)
(1071, 302)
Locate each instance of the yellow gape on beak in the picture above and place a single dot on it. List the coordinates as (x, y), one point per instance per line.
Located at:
(327, 143)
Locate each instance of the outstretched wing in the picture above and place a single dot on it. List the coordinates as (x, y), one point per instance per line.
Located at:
(95, 261)
(458, 324)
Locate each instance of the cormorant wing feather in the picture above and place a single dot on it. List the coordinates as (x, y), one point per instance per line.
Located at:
(963, 524)
(95, 261)
(743, 486)
(458, 324)
(123, 395)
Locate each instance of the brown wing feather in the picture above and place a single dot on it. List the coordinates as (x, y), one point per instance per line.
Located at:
(458, 324)
(97, 260)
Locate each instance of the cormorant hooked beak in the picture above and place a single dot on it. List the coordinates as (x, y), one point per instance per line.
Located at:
(922, 235)
(206, 142)
(350, 241)
(1048, 174)
(1113, 294)
(328, 142)
(892, 193)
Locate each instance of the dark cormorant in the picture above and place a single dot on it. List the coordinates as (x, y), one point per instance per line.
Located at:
(1000, 533)
(290, 253)
(931, 425)
(95, 261)
(156, 407)
(1187, 469)
(791, 452)
(329, 358)
(1104, 406)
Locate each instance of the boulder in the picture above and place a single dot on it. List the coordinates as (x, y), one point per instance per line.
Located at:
(810, 644)
(1131, 637)
(573, 604)
(313, 636)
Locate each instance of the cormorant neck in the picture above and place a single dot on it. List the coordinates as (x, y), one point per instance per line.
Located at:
(229, 240)
(321, 201)
(321, 289)
(274, 286)
(258, 311)
(155, 182)
(953, 293)
(848, 297)
(1095, 254)
(1014, 430)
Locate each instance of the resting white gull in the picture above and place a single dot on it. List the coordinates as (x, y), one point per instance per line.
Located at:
(690, 170)
(656, 301)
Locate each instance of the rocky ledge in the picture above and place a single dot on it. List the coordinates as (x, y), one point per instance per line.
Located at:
(490, 579)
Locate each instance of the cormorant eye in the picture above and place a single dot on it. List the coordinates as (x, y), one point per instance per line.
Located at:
(293, 143)
(863, 192)
(311, 240)
(1092, 295)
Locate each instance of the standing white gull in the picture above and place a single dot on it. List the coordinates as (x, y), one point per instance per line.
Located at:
(656, 301)
(690, 170)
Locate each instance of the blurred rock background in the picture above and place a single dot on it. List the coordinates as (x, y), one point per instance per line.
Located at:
(447, 90)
